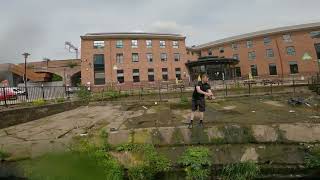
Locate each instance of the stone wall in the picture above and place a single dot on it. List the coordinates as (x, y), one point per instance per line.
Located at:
(12, 117)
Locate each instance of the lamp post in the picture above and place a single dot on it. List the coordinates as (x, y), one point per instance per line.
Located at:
(25, 73)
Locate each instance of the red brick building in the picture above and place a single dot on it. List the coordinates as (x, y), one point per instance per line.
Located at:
(132, 58)
(139, 58)
(273, 53)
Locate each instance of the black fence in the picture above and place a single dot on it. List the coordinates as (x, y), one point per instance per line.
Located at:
(16, 95)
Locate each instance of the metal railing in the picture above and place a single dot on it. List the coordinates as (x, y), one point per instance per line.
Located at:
(17, 95)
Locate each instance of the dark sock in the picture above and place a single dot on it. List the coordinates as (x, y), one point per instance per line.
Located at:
(191, 121)
(201, 121)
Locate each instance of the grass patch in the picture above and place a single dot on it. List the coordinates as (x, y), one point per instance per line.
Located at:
(197, 163)
(240, 171)
(153, 162)
(312, 158)
(39, 102)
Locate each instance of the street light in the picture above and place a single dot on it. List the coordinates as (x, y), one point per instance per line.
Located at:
(25, 73)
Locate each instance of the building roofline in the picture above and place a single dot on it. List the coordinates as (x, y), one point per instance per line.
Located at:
(279, 30)
(138, 35)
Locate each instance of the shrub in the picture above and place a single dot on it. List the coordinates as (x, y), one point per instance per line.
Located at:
(83, 94)
(3, 155)
(312, 158)
(197, 162)
(38, 102)
(153, 162)
(240, 171)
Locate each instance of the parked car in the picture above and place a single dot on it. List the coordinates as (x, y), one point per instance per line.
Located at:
(18, 91)
(7, 94)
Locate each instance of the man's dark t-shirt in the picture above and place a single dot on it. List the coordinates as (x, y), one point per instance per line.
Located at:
(204, 87)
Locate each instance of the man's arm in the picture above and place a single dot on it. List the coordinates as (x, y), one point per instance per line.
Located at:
(201, 92)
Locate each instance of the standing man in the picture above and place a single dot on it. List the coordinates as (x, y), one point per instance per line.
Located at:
(201, 90)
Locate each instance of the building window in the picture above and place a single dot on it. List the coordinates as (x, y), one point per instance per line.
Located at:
(98, 67)
(119, 58)
(293, 67)
(135, 57)
(315, 34)
(150, 75)
(176, 57)
(163, 57)
(252, 55)
(272, 69)
(149, 57)
(178, 73)
(291, 51)
(135, 75)
(175, 44)
(162, 44)
(238, 72)
(98, 44)
(119, 44)
(221, 50)
(134, 43)
(149, 43)
(286, 38)
(250, 44)
(267, 40)
(254, 70)
(270, 53)
(234, 46)
(120, 76)
(165, 74)
(210, 52)
(235, 56)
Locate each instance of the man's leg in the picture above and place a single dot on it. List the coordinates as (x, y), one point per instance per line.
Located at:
(202, 108)
(194, 108)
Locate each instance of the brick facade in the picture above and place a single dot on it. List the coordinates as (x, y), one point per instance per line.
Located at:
(110, 52)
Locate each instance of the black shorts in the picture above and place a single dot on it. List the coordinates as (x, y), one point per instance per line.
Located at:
(199, 102)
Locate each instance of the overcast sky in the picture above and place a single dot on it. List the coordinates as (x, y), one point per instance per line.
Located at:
(41, 27)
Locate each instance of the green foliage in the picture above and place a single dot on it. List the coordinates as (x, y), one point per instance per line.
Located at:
(240, 171)
(312, 158)
(56, 77)
(60, 100)
(184, 100)
(153, 162)
(83, 94)
(197, 162)
(3, 155)
(39, 102)
(72, 64)
(86, 161)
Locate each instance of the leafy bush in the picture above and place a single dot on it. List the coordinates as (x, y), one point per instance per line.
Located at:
(197, 162)
(3, 155)
(312, 158)
(240, 171)
(153, 162)
(83, 94)
(39, 102)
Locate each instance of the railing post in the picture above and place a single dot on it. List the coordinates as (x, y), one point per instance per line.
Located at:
(271, 88)
(249, 88)
(4, 96)
(294, 87)
(160, 92)
(226, 89)
(42, 90)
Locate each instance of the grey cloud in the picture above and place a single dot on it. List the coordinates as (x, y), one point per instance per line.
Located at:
(42, 26)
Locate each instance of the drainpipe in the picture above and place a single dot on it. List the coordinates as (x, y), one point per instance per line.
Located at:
(280, 58)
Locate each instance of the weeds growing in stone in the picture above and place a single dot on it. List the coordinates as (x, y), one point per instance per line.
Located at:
(197, 163)
(240, 171)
